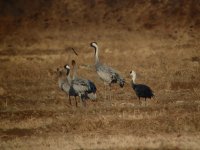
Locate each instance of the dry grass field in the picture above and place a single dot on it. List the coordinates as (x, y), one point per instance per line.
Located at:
(35, 113)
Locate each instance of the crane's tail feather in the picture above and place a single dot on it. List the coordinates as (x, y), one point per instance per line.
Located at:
(92, 87)
(121, 82)
(92, 96)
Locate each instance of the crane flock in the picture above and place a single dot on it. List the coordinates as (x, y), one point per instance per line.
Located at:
(86, 89)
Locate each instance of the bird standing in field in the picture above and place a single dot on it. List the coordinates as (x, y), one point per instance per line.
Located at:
(106, 73)
(141, 90)
(64, 82)
(86, 89)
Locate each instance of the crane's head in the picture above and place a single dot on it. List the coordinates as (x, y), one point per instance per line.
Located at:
(93, 44)
(133, 74)
(73, 63)
(67, 67)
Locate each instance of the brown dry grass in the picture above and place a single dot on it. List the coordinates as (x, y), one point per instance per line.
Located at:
(35, 114)
(157, 39)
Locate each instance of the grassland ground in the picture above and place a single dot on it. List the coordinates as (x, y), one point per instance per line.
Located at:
(35, 114)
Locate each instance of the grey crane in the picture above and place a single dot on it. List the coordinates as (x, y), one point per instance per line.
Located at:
(141, 90)
(64, 82)
(106, 73)
(86, 89)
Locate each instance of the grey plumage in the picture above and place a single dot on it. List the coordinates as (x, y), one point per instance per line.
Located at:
(106, 73)
(64, 82)
(86, 89)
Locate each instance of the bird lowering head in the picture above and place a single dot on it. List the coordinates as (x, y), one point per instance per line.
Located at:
(133, 75)
(94, 44)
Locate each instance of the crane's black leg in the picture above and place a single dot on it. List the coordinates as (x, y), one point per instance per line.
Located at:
(84, 102)
(76, 102)
(70, 100)
(139, 100)
(110, 91)
(105, 90)
(145, 101)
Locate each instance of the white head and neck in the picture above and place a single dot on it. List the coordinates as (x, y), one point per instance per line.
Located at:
(67, 67)
(94, 44)
(133, 75)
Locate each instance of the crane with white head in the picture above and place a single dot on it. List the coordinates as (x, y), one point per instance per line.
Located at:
(106, 73)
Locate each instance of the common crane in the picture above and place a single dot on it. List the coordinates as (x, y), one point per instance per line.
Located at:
(64, 82)
(106, 73)
(86, 89)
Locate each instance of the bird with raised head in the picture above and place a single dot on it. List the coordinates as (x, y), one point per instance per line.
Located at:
(106, 73)
(64, 82)
(85, 88)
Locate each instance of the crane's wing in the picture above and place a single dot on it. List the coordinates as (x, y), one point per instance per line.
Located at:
(80, 85)
(65, 87)
(110, 75)
(106, 73)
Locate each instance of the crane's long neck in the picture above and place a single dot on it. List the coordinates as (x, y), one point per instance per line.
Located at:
(61, 81)
(133, 79)
(68, 76)
(96, 54)
(75, 71)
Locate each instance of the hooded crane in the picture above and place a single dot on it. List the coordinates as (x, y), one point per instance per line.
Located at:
(141, 90)
(86, 89)
(106, 73)
(64, 82)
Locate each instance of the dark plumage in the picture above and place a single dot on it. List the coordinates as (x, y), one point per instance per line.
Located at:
(92, 87)
(141, 90)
